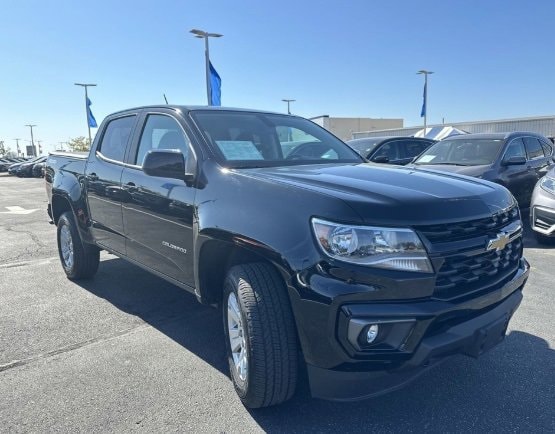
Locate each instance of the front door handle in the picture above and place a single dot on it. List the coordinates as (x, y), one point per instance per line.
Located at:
(130, 187)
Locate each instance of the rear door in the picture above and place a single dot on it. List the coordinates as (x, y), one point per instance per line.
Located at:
(539, 162)
(103, 182)
(520, 178)
(158, 212)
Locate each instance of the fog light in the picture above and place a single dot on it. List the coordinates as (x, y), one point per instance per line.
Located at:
(372, 333)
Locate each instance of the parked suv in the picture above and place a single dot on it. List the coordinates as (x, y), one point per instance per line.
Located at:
(515, 160)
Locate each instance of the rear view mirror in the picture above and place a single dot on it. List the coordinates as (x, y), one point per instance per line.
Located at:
(381, 159)
(167, 163)
(514, 161)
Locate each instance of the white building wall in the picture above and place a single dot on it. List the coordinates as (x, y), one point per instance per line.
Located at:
(344, 128)
(544, 125)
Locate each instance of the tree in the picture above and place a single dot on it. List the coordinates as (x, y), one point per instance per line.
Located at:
(79, 144)
(4, 151)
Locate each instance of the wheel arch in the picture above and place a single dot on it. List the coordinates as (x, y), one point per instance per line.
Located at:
(217, 254)
(60, 205)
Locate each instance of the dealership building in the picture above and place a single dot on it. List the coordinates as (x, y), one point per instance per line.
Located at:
(345, 128)
(544, 125)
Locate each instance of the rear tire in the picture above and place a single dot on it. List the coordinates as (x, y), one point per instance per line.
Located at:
(262, 345)
(79, 260)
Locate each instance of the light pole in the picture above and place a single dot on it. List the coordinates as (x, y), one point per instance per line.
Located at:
(32, 139)
(205, 35)
(86, 85)
(288, 101)
(425, 102)
(17, 145)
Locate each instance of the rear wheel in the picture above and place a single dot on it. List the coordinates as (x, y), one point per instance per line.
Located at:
(260, 335)
(79, 260)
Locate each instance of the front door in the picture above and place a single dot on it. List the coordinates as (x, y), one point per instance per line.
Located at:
(158, 212)
(103, 183)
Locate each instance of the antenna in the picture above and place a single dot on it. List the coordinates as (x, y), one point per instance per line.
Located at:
(166, 99)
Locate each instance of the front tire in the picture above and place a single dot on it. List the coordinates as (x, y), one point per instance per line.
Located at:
(260, 333)
(79, 260)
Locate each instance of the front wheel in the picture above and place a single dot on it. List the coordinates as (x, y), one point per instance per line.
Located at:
(260, 335)
(79, 260)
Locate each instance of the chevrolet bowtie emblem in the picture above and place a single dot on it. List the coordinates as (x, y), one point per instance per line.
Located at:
(499, 242)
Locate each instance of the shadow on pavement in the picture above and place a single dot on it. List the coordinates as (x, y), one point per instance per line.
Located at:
(511, 388)
(169, 309)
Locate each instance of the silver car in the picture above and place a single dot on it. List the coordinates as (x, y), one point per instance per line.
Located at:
(542, 209)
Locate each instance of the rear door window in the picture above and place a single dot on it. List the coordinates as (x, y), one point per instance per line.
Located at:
(547, 149)
(533, 148)
(116, 137)
(515, 149)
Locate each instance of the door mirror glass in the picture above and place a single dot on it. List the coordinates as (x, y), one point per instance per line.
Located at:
(167, 163)
(514, 161)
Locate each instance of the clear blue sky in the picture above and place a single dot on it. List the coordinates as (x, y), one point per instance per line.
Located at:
(492, 59)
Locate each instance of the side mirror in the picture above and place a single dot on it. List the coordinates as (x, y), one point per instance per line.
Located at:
(381, 159)
(514, 161)
(167, 163)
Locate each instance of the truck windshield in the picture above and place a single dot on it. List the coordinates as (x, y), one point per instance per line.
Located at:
(469, 152)
(245, 139)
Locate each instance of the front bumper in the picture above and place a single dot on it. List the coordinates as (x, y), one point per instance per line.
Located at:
(542, 212)
(338, 370)
(472, 338)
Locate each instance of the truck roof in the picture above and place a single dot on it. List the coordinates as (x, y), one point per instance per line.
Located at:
(187, 108)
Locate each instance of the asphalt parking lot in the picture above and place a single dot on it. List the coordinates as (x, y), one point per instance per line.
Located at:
(128, 351)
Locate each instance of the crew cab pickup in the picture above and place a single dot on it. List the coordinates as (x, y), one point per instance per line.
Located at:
(365, 274)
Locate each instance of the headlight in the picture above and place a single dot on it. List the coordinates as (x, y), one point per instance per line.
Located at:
(548, 184)
(391, 248)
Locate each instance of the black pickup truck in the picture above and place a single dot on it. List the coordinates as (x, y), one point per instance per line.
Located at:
(361, 275)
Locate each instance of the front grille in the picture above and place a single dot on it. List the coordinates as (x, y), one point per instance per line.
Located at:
(469, 229)
(463, 274)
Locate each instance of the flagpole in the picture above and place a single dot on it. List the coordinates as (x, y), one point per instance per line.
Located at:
(206, 35)
(86, 85)
(425, 102)
(208, 84)
(87, 112)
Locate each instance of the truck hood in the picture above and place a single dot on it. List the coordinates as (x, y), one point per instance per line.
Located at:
(395, 195)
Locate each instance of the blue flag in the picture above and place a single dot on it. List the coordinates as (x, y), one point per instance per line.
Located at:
(90, 116)
(424, 98)
(215, 87)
